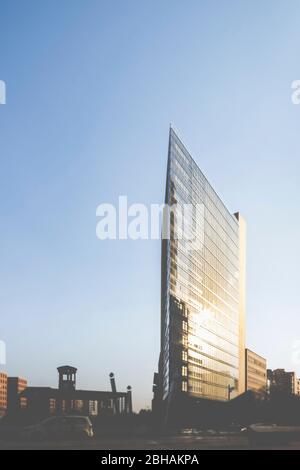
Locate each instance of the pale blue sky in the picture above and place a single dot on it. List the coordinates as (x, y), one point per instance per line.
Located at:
(91, 89)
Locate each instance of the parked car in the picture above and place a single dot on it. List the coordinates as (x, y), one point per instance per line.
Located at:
(59, 427)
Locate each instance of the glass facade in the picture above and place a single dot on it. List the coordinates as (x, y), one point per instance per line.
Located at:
(200, 330)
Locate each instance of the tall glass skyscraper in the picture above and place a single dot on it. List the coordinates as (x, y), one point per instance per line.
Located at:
(203, 287)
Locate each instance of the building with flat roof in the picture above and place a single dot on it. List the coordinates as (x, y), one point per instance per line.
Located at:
(202, 288)
(282, 381)
(15, 386)
(3, 393)
(66, 399)
(256, 372)
(298, 387)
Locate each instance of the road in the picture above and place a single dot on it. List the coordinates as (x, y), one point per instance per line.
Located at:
(235, 442)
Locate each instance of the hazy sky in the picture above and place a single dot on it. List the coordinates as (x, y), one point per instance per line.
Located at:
(91, 89)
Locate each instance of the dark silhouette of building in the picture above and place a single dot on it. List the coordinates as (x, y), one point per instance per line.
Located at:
(15, 386)
(67, 378)
(280, 381)
(45, 401)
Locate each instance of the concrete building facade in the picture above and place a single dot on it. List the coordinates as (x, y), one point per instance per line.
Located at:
(256, 372)
(3, 393)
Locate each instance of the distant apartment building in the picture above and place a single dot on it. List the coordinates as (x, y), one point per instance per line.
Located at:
(256, 372)
(281, 381)
(3, 393)
(298, 387)
(15, 386)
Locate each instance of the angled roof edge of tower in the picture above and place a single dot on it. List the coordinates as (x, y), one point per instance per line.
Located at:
(174, 131)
